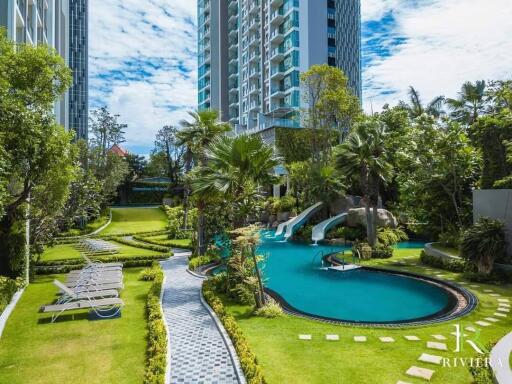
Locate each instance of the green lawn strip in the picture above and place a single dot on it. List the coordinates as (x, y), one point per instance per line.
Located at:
(131, 220)
(60, 252)
(164, 240)
(284, 358)
(90, 227)
(79, 350)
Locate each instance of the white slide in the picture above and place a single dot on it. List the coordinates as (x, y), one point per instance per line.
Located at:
(297, 222)
(282, 227)
(321, 229)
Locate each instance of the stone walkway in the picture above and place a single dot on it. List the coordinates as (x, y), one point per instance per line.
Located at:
(198, 351)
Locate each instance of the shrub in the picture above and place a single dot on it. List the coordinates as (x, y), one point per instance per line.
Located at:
(362, 250)
(143, 233)
(8, 287)
(452, 265)
(156, 352)
(391, 236)
(150, 274)
(482, 373)
(304, 233)
(382, 252)
(248, 361)
(270, 310)
(483, 244)
(451, 238)
(284, 204)
(175, 216)
(198, 261)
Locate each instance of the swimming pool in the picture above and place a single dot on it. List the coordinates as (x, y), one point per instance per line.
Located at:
(293, 273)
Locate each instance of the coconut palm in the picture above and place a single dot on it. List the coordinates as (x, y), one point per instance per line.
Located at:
(196, 135)
(363, 158)
(416, 108)
(237, 169)
(470, 104)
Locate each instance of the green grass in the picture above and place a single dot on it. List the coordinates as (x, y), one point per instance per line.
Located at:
(66, 251)
(75, 350)
(285, 359)
(60, 252)
(131, 220)
(164, 240)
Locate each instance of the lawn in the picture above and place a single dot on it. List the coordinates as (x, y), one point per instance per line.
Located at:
(286, 359)
(66, 251)
(131, 220)
(164, 240)
(75, 350)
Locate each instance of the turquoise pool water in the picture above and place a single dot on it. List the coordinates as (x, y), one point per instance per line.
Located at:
(294, 271)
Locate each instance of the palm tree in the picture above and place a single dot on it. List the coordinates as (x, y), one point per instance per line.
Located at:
(236, 169)
(362, 157)
(470, 104)
(196, 135)
(415, 107)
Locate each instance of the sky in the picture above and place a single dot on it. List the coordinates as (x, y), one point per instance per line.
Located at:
(142, 55)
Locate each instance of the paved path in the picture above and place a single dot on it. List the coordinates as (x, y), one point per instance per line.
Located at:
(198, 351)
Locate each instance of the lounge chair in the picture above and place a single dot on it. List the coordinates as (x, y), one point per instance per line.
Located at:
(70, 294)
(103, 308)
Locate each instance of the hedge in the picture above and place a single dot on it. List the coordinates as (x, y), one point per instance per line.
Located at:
(156, 353)
(248, 360)
(147, 233)
(8, 287)
(166, 243)
(482, 373)
(199, 261)
(66, 265)
(136, 244)
(451, 265)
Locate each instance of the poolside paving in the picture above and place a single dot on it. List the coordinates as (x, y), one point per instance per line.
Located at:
(198, 351)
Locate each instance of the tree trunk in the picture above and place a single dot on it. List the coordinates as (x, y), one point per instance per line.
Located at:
(375, 213)
(261, 302)
(200, 229)
(369, 221)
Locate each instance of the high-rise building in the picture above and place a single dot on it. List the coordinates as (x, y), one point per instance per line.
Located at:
(78, 62)
(61, 24)
(251, 54)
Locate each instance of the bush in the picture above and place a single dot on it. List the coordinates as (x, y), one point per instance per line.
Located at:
(136, 244)
(146, 233)
(150, 274)
(451, 238)
(248, 361)
(452, 265)
(382, 252)
(175, 217)
(270, 310)
(280, 205)
(198, 261)
(483, 244)
(362, 250)
(482, 373)
(304, 233)
(391, 236)
(8, 287)
(156, 353)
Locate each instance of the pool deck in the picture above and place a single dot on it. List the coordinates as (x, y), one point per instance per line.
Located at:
(344, 268)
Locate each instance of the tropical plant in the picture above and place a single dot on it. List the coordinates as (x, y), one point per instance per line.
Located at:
(416, 108)
(196, 135)
(236, 169)
(483, 243)
(470, 104)
(363, 159)
(391, 236)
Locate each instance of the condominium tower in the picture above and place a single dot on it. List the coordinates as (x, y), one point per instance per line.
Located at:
(251, 54)
(61, 24)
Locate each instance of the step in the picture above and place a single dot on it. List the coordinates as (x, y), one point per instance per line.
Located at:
(432, 359)
(420, 373)
(412, 338)
(436, 345)
(360, 339)
(439, 337)
(332, 337)
(482, 323)
(305, 337)
(387, 339)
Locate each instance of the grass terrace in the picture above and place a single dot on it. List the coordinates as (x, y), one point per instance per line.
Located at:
(131, 220)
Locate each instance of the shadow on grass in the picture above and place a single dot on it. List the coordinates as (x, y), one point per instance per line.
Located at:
(64, 318)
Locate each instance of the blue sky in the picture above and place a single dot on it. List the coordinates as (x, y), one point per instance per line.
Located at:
(143, 60)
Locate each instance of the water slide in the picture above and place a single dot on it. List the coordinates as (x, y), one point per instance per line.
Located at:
(294, 224)
(282, 227)
(321, 229)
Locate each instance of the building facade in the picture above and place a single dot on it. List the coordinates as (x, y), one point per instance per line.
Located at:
(48, 22)
(251, 54)
(78, 62)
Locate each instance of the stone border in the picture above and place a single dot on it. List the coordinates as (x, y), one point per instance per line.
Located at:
(8, 310)
(227, 340)
(501, 353)
(168, 357)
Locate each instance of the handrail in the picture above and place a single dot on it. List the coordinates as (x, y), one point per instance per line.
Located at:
(316, 254)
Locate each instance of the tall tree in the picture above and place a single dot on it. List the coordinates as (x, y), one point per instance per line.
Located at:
(470, 103)
(166, 142)
(416, 108)
(196, 135)
(40, 153)
(363, 158)
(331, 105)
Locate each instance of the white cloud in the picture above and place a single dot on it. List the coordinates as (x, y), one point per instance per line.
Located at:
(143, 62)
(447, 43)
